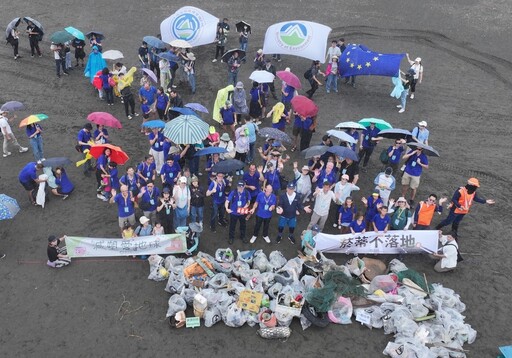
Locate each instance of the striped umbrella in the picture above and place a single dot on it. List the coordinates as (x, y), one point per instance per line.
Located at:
(186, 129)
(8, 207)
(33, 118)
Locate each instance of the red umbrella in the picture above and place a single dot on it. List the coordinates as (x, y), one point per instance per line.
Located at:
(116, 153)
(290, 79)
(105, 119)
(304, 106)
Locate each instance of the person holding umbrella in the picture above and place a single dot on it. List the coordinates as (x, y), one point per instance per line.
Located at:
(34, 34)
(269, 67)
(59, 56)
(8, 135)
(415, 162)
(79, 46)
(13, 39)
(34, 131)
(244, 38)
(234, 64)
(369, 139)
(124, 86)
(237, 206)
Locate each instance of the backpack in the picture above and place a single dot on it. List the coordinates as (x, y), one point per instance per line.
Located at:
(459, 256)
(308, 74)
(384, 158)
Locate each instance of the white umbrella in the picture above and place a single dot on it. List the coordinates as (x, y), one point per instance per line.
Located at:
(112, 55)
(341, 135)
(262, 76)
(349, 125)
(180, 43)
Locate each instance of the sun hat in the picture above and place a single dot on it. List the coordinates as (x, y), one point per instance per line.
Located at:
(143, 220)
(212, 129)
(474, 181)
(225, 137)
(191, 56)
(259, 51)
(239, 84)
(401, 199)
(422, 124)
(194, 179)
(228, 103)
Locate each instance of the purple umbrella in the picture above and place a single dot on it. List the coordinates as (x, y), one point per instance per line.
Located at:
(182, 110)
(197, 107)
(12, 106)
(151, 74)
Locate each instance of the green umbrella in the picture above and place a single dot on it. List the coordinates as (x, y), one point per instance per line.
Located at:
(75, 32)
(379, 123)
(61, 37)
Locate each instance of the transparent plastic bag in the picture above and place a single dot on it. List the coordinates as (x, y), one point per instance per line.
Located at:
(176, 304)
(260, 262)
(275, 289)
(218, 281)
(245, 256)
(235, 316)
(239, 267)
(277, 260)
(382, 282)
(341, 311)
(175, 283)
(212, 316)
(224, 255)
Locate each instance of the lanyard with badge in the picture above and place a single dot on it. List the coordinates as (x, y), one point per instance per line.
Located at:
(397, 220)
(126, 207)
(266, 201)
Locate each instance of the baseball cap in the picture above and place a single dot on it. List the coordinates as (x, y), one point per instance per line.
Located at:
(422, 123)
(241, 183)
(305, 167)
(143, 220)
(291, 185)
(345, 176)
(183, 180)
(315, 228)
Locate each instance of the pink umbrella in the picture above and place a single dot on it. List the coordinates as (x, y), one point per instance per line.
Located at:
(104, 118)
(304, 106)
(151, 74)
(290, 79)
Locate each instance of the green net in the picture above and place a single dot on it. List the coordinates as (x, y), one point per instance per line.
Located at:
(415, 277)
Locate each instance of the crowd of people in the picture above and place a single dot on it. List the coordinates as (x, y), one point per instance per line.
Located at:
(172, 188)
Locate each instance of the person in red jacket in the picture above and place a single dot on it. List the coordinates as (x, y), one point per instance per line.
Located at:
(461, 203)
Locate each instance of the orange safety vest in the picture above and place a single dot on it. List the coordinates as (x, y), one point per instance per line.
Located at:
(425, 213)
(465, 200)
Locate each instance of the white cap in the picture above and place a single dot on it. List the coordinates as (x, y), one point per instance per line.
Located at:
(183, 180)
(422, 123)
(143, 220)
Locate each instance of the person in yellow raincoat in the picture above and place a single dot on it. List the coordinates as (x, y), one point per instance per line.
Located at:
(222, 96)
(124, 85)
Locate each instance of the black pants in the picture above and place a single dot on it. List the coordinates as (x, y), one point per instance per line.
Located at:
(365, 153)
(413, 86)
(109, 92)
(129, 101)
(241, 156)
(153, 66)
(305, 138)
(266, 224)
(15, 43)
(34, 45)
(161, 113)
(58, 64)
(219, 50)
(233, 219)
(272, 89)
(166, 221)
(314, 87)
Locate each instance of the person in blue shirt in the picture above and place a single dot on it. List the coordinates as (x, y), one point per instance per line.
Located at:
(83, 138)
(257, 102)
(161, 102)
(29, 179)
(372, 203)
(131, 180)
(149, 92)
(170, 172)
(148, 200)
(395, 154)
(272, 177)
(64, 185)
(100, 135)
(358, 225)
(228, 117)
(125, 207)
(36, 140)
(263, 206)
(146, 170)
(107, 88)
(381, 220)
(354, 134)
(145, 108)
(252, 129)
(306, 132)
(237, 206)
(156, 141)
(368, 141)
(346, 214)
(114, 175)
(415, 162)
(252, 182)
(102, 166)
(216, 190)
(326, 174)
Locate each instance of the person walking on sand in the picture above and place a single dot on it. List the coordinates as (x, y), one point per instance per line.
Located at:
(9, 137)
(415, 162)
(34, 34)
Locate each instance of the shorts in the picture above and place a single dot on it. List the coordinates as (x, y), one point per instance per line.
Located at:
(29, 186)
(130, 219)
(412, 181)
(296, 130)
(290, 222)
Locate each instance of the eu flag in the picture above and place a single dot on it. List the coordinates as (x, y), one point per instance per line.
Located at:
(359, 60)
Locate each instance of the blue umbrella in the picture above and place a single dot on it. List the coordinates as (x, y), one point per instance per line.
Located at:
(99, 35)
(395, 133)
(274, 133)
(343, 152)
(186, 129)
(56, 162)
(12, 106)
(197, 107)
(314, 151)
(156, 123)
(169, 56)
(210, 150)
(227, 166)
(153, 41)
(75, 32)
(8, 207)
(184, 110)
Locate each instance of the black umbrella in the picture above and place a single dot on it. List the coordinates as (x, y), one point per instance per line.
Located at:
(14, 23)
(56, 162)
(427, 150)
(242, 25)
(228, 54)
(227, 166)
(35, 22)
(98, 35)
(314, 151)
(396, 133)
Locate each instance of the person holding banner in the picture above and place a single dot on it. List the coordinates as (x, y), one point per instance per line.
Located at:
(447, 260)
(402, 215)
(381, 220)
(57, 256)
(312, 78)
(125, 206)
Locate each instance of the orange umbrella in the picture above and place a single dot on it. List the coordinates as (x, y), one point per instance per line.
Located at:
(34, 118)
(116, 153)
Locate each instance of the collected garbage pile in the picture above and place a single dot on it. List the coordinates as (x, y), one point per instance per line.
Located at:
(269, 292)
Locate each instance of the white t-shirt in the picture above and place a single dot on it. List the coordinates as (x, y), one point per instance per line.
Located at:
(323, 202)
(333, 51)
(5, 126)
(417, 70)
(181, 196)
(450, 251)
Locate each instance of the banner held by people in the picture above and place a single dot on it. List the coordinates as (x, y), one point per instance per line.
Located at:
(392, 242)
(143, 245)
(359, 60)
(191, 24)
(300, 38)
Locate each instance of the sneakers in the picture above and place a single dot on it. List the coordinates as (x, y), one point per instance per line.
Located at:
(2, 256)
(130, 117)
(398, 106)
(412, 95)
(334, 225)
(7, 154)
(278, 240)
(292, 240)
(267, 239)
(401, 110)
(253, 239)
(99, 196)
(136, 114)
(23, 149)
(214, 60)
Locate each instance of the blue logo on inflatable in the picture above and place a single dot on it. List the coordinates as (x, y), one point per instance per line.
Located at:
(185, 26)
(293, 34)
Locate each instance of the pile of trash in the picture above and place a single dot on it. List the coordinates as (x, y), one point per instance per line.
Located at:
(269, 292)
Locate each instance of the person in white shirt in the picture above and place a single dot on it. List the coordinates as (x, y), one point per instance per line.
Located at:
(323, 198)
(420, 133)
(418, 73)
(333, 51)
(449, 254)
(9, 137)
(385, 184)
(302, 181)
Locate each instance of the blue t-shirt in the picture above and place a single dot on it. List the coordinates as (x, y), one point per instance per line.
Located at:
(228, 115)
(104, 81)
(397, 154)
(101, 161)
(273, 179)
(381, 223)
(264, 204)
(255, 94)
(28, 173)
(170, 172)
(371, 209)
(238, 200)
(97, 133)
(252, 180)
(219, 197)
(307, 123)
(144, 108)
(297, 122)
(30, 130)
(130, 183)
(354, 135)
(65, 184)
(84, 136)
(146, 171)
(114, 178)
(368, 134)
(161, 101)
(412, 167)
(282, 121)
(149, 94)
(124, 206)
(323, 176)
(291, 92)
(347, 214)
(358, 227)
(158, 145)
(151, 198)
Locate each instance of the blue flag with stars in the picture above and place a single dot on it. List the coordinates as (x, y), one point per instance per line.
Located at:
(359, 60)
